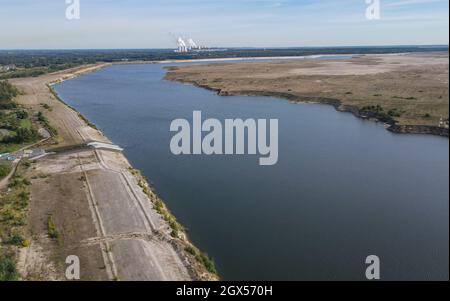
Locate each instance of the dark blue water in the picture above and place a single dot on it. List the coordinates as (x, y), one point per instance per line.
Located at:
(343, 188)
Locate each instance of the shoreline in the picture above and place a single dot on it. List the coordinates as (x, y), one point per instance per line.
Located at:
(148, 189)
(195, 261)
(337, 104)
(392, 125)
(238, 81)
(193, 258)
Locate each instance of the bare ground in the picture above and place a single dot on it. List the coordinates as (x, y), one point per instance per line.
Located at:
(416, 85)
(97, 204)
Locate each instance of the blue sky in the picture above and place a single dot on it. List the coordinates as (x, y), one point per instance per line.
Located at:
(221, 23)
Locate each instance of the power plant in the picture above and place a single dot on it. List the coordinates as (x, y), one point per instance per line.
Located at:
(188, 45)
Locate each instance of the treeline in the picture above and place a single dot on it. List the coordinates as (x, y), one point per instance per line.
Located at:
(14, 119)
(7, 93)
(36, 62)
(23, 135)
(35, 71)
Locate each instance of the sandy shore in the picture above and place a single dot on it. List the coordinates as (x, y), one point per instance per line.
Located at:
(103, 208)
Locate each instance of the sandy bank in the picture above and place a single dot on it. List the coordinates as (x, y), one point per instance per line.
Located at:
(105, 211)
(409, 92)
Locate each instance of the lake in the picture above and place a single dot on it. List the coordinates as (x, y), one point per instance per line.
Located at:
(343, 188)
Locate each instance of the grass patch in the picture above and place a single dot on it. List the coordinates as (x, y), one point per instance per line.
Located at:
(8, 270)
(87, 121)
(14, 203)
(5, 168)
(51, 229)
(18, 240)
(13, 218)
(42, 119)
(17, 127)
(25, 123)
(161, 209)
(204, 259)
(379, 113)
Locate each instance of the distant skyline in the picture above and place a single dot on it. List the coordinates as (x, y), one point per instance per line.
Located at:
(31, 24)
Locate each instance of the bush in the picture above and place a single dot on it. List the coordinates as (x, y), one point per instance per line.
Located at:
(22, 114)
(394, 113)
(8, 270)
(17, 240)
(51, 228)
(7, 91)
(5, 168)
(208, 263)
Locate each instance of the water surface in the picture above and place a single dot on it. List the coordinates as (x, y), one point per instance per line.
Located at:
(343, 188)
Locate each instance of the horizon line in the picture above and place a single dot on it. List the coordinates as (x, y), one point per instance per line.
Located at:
(236, 47)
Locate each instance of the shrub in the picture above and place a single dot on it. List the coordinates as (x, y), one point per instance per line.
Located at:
(208, 263)
(17, 240)
(8, 270)
(22, 114)
(5, 168)
(51, 228)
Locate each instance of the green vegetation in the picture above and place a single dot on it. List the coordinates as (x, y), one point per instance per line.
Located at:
(5, 168)
(207, 262)
(15, 125)
(379, 113)
(8, 270)
(87, 121)
(406, 98)
(79, 114)
(44, 121)
(32, 72)
(13, 212)
(47, 107)
(51, 228)
(394, 113)
(175, 226)
(26, 63)
(162, 210)
(18, 240)
(7, 93)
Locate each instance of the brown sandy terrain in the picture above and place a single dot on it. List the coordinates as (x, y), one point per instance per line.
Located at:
(414, 85)
(97, 203)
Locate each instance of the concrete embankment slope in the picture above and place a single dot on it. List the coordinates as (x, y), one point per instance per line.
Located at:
(101, 206)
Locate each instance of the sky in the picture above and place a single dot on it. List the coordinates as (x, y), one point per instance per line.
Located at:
(42, 24)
